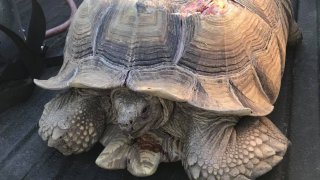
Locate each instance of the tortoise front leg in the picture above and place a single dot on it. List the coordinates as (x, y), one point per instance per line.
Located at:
(117, 146)
(73, 121)
(141, 156)
(225, 149)
(150, 150)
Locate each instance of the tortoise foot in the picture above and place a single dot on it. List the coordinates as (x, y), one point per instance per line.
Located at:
(245, 151)
(141, 156)
(150, 150)
(72, 123)
(117, 146)
(143, 163)
(145, 155)
(114, 155)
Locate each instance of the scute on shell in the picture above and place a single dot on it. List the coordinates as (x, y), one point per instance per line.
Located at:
(227, 63)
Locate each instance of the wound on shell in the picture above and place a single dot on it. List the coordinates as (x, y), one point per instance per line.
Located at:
(205, 7)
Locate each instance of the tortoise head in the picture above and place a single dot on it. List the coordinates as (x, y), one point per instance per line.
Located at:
(136, 113)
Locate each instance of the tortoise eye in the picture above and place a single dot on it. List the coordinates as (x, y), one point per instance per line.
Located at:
(144, 112)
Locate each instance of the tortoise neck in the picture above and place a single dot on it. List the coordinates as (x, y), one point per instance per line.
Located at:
(167, 109)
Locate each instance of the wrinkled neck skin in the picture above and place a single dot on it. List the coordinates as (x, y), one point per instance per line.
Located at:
(187, 118)
(197, 128)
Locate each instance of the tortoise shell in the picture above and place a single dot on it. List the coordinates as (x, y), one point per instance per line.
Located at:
(223, 56)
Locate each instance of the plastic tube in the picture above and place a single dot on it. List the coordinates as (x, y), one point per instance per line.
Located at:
(64, 26)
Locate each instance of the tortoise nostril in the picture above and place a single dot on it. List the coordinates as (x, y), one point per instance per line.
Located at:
(130, 121)
(126, 125)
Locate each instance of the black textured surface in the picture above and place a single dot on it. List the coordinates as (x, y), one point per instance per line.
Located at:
(23, 155)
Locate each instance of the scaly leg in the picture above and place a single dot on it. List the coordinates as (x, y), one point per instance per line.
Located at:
(117, 146)
(150, 150)
(142, 155)
(224, 148)
(73, 121)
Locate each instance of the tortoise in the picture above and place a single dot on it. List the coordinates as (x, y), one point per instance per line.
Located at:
(161, 81)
